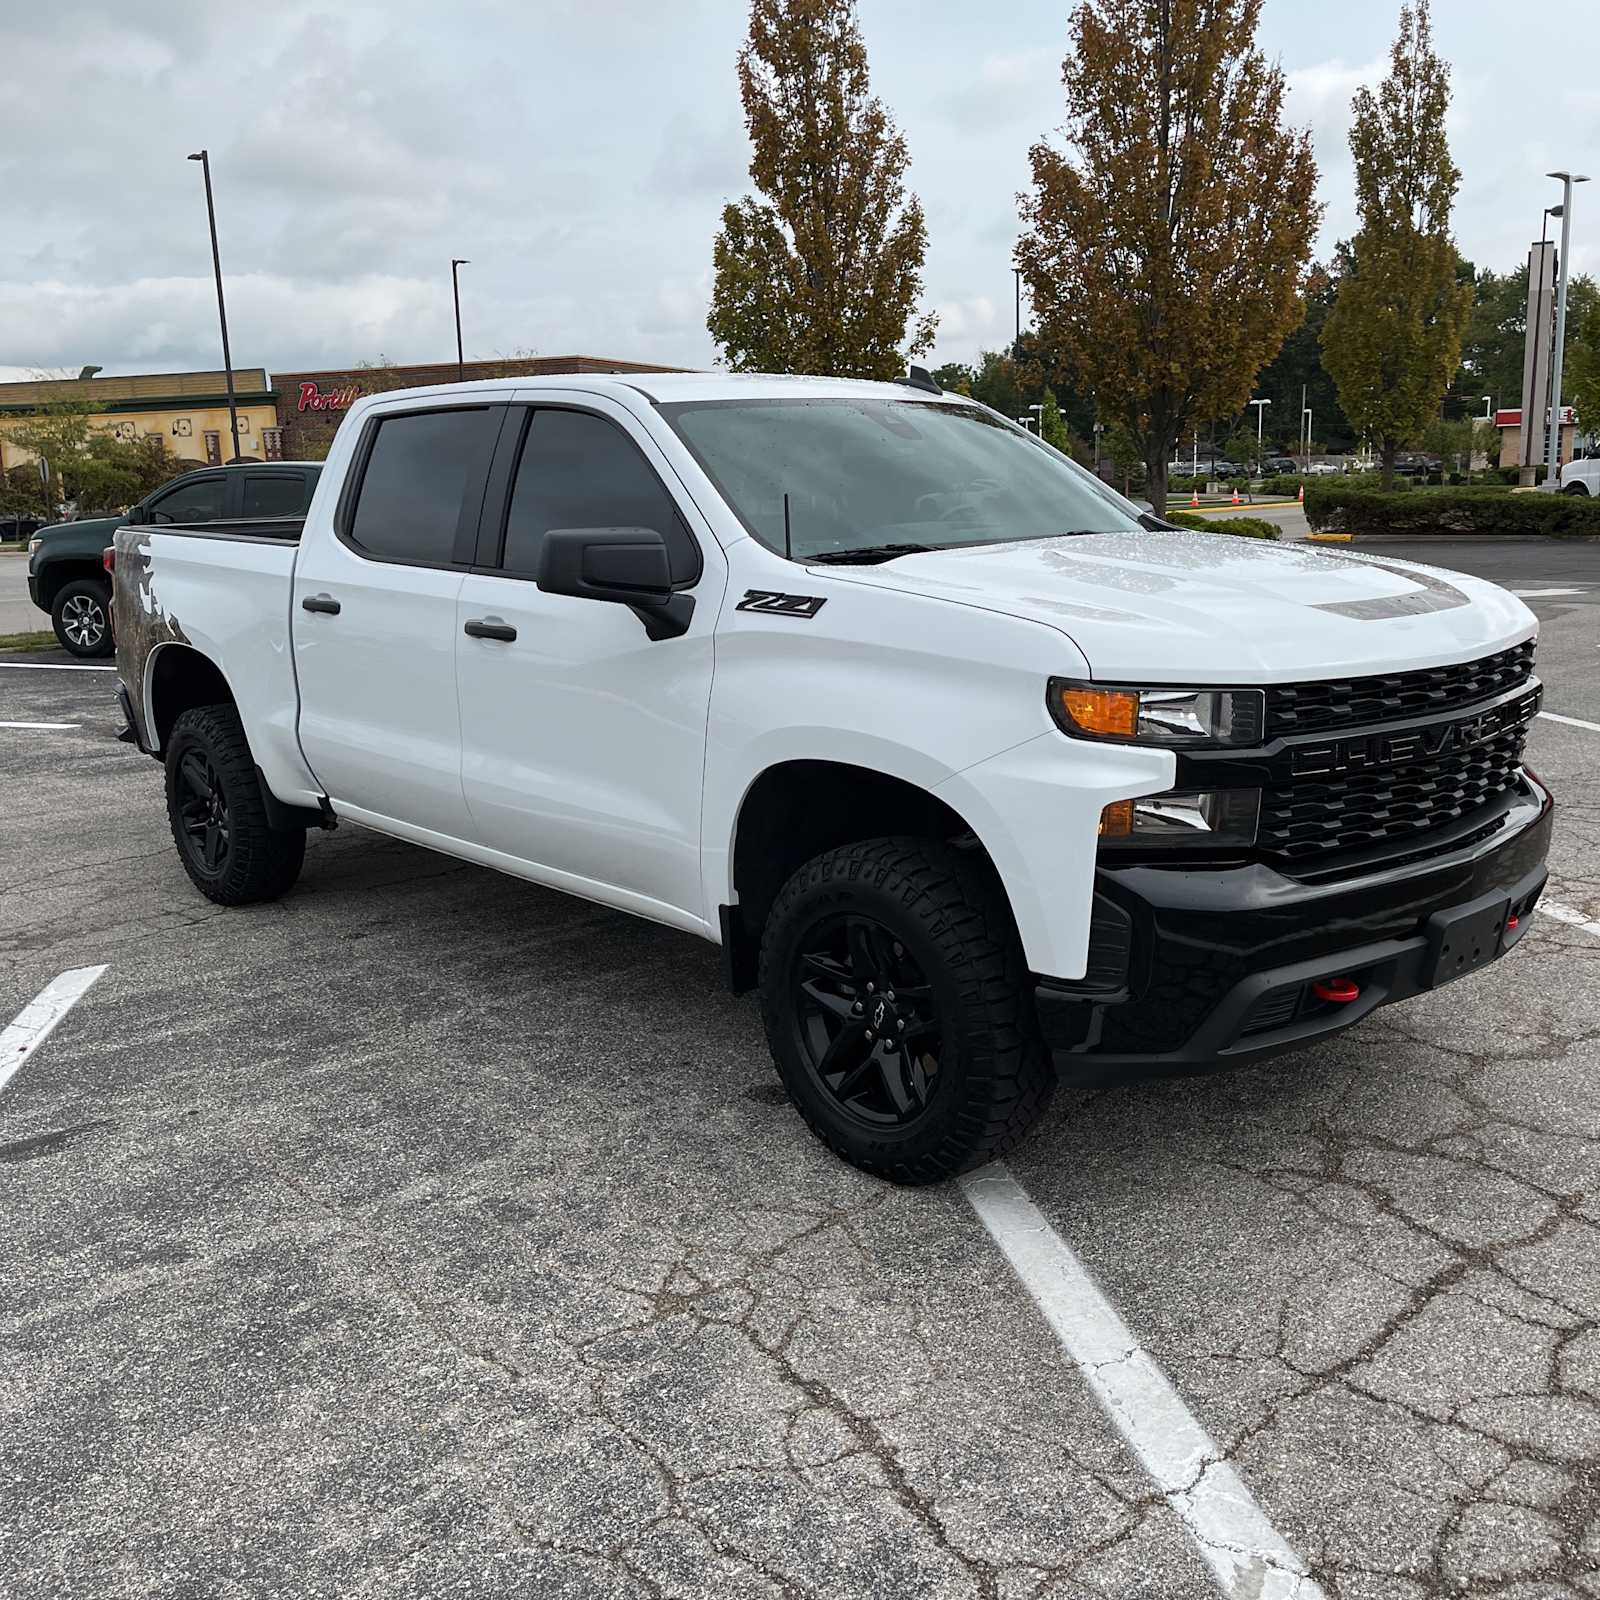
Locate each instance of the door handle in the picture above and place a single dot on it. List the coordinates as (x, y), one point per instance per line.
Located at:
(483, 628)
(320, 602)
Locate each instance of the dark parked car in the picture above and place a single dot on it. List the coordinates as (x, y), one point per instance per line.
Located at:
(65, 577)
(18, 527)
(1275, 466)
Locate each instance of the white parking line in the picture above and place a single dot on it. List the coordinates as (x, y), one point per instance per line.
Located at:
(1248, 1557)
(53, 666)
(41, 724)
(36, 1021)
(1571, 722)
(1571, 916)
(1539, 594)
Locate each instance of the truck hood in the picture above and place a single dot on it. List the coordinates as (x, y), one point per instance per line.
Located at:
(1181, 607)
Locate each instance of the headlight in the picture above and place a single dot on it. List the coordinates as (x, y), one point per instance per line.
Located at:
(1190, 717)
(33, 545)
(1205, 819)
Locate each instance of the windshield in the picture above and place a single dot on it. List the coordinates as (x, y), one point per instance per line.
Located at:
(864, 474)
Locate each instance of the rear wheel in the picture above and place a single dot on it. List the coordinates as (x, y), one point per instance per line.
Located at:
(81, 617)
(218, 815)
(1576, 488)
(897, 1009)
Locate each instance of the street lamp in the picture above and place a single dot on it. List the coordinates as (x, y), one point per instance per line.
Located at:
(1488, 407)
(204, 158)
(1029, 421)
(1305, 422)
(455, 289)
(1553, 448)
(1260, 412)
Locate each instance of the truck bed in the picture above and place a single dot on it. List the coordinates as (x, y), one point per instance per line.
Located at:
(279, 530)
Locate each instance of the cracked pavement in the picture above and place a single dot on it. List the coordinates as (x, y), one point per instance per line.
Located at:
(428, 1234)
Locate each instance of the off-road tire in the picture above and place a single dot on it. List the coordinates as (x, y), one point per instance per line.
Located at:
(82, 608)
(260, 862)
(948, 908)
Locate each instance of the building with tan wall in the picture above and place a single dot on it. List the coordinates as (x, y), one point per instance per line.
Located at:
(187, 410)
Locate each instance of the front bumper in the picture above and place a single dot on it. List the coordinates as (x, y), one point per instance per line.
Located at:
(1190, 968)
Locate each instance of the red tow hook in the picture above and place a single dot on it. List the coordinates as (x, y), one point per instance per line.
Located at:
(1337, 990)
(1512, 922)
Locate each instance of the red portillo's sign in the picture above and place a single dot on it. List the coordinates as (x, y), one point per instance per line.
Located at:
(313, 399)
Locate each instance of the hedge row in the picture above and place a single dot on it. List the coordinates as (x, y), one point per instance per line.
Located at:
(1339, 508)
(1244, 527)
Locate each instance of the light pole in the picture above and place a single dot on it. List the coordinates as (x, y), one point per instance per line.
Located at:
(455, 289)
(1260, 406)
(1028, 421)
(1017, 274)
(1553, 448)
(1305, 421)
(204, 158)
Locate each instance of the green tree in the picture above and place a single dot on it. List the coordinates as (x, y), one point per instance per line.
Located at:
(1581, 375)
(822, 274)
(1165, 249)
(89, 466)
(1392, 342)
(1053, 426)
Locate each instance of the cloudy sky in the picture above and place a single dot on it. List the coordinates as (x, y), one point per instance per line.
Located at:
(579, 151)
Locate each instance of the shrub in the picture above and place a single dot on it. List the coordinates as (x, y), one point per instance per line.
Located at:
(1340, 508)
(1244, 527)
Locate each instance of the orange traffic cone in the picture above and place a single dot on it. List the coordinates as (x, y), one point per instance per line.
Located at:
(1236, 494)
(1194, 497)
(1301, 497)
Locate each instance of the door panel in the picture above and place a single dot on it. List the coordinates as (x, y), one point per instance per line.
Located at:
(375, 650)
(583, 741)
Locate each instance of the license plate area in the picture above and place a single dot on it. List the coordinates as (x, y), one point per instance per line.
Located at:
(1462, 941)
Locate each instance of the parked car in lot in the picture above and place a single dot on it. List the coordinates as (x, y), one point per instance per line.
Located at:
(14, 528)
(961, 759)
(1279, 466)
(1579, 477)
(65, 576)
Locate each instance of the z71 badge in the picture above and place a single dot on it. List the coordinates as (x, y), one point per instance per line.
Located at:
(783, 605)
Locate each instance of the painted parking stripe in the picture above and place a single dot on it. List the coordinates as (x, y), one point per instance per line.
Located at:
(37, 1020)
(41, 724)
(1570, 915)
(53, 666)
(1541, 594)
(1571, 722)
(1247, 1556)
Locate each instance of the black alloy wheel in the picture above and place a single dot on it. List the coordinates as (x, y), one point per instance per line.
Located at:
(203, 810)
(899, 1010)
(865, 1021)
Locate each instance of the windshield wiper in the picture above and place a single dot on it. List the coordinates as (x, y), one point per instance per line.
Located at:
(867, 554)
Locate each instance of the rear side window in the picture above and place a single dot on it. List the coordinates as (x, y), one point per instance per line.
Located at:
(579, 471)
(410, 496)
(200, 501)
(274, 495)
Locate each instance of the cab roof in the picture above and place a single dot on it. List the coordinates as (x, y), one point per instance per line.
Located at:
(668, 387)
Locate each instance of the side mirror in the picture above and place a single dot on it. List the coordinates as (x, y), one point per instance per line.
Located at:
(626, 566)
(137, 515)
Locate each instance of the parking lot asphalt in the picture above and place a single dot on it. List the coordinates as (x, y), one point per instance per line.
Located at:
(425, 1233)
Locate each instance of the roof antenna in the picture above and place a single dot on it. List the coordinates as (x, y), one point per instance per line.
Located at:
(788, 553)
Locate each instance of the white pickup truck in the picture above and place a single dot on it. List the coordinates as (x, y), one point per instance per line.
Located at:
(975, 771)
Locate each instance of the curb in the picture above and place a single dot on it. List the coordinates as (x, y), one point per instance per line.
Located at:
(1330, 538)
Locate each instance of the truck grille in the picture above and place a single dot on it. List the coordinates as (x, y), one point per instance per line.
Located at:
(1350, 702)
(1310, 820)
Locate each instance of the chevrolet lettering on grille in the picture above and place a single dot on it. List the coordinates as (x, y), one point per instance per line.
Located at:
(1416, 744)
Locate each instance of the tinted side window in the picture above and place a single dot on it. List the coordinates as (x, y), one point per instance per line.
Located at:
(410, 495)
(580, 471)
(200, 501)
(280, 494)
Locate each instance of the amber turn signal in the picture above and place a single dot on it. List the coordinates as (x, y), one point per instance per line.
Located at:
(1113, 713)
(1116, 821)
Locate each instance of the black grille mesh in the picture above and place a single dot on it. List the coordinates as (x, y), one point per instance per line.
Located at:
(1313, 818)
(1351, 702)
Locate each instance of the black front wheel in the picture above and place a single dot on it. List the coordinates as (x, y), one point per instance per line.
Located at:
(897, 1009)
(218, 816)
